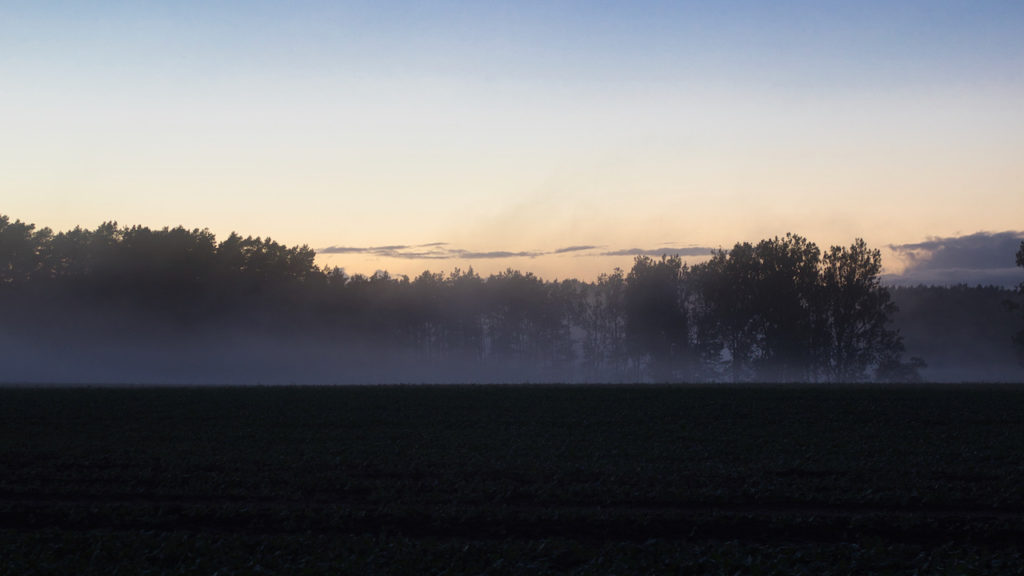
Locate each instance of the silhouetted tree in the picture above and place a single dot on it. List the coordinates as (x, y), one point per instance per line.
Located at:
(786, 299)
(427, 315)
(465, 311)
(602, 319)
(893, 368)
(1019, 337)
(657, 323)
(856, 311)
(527, 325)
(963, 331)
(728, 315)
(24, 251)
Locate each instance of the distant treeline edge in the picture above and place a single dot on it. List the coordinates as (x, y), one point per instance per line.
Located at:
(131, 304)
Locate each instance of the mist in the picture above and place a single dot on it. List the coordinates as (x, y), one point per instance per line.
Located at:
(964, 333)
(135, 306)
(233, 357)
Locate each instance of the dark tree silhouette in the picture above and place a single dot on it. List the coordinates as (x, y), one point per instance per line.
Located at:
(178, 299)
(1019, 337)
(786, 295)
(24, 252)
(728, 315)
(465, 310)
(528, 324)
(964, 332)
(657, 326)
(782, 311)
(856, 313)
(602, 318)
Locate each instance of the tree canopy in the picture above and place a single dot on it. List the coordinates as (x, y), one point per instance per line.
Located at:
(779, 310)
(1019, 337)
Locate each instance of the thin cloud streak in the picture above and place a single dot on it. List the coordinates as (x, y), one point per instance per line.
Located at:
(688, 251)
(430, 251)
(568, 249)
(494, 254)
(443, 251)
(355, 250)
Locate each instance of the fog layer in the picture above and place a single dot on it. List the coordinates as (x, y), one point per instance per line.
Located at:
(175, 306)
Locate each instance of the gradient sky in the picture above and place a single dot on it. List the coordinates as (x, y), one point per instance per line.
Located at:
(516, 129)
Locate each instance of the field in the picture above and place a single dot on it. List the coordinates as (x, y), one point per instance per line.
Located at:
(512, 480)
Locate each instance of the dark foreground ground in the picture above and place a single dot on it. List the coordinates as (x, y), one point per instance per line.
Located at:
(512, 480)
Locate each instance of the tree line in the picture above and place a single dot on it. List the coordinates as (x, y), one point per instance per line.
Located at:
(778, 310)
(965, 332)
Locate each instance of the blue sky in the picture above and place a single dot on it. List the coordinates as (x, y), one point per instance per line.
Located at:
(517, 128)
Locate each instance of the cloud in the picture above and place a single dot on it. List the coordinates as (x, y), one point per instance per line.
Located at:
(429, 251)
(568, 249)
(433, 250)
(979, 258)
(976, 251)
(688, 251)
(444, 251)
(343, 250)
(494, 254)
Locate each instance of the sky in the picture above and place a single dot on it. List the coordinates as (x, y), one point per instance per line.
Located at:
(562, 138)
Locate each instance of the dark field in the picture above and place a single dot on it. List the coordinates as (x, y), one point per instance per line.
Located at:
(512, 480)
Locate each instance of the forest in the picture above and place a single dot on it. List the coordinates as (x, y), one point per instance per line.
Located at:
(137, 305)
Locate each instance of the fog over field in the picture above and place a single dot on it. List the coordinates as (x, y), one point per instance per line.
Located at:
(132, 305)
